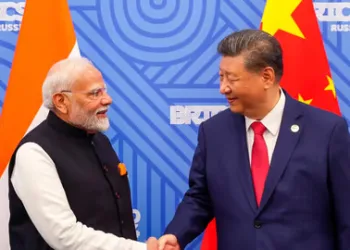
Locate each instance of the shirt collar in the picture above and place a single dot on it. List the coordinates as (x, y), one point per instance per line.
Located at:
(272, 121)
(59, 125)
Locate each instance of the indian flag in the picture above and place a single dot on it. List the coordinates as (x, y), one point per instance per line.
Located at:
(46, 36)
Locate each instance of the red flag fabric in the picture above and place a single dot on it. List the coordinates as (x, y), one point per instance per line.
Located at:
(209, 241)
(307, 75)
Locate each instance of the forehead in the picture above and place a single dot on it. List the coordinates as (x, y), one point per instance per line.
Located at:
(90, 79)
(230, 64)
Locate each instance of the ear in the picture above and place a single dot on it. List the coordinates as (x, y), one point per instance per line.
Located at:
(268, 77)
(60, 101)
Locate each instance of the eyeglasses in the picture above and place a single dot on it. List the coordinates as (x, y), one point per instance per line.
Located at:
(92, 94)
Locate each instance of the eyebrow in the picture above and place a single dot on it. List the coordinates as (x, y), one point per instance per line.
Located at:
(97, 87)
(228, 73)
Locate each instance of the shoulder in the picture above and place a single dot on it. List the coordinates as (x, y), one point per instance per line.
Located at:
(29, 156)
(321, 118)
(221, 121)
(220, 117)
(31, 145)
(31, 151)
(39, 134)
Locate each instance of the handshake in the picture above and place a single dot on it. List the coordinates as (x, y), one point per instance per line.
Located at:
(166, 242)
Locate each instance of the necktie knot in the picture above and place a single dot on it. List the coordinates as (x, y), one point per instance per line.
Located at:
(258, 128)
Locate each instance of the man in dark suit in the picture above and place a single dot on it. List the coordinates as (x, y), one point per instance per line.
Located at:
(274, 172)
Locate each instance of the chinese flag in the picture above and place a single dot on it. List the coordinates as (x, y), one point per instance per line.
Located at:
(307, 76)
(46, 36)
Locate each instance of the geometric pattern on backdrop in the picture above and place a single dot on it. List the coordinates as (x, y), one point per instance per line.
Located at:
(158, 56)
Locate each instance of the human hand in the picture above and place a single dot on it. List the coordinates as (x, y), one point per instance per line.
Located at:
(152, 243)
(168, 242)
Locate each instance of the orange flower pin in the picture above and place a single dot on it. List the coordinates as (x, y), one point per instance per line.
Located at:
(122, 169)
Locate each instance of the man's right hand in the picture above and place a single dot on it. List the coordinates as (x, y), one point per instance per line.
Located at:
(168, 242)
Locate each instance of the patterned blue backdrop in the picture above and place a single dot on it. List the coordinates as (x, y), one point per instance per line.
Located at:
(159, 60)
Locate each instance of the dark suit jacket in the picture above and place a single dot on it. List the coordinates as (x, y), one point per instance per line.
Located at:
(306, 201)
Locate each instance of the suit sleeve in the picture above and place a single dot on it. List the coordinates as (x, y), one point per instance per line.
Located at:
(195, 210)
(339, 169)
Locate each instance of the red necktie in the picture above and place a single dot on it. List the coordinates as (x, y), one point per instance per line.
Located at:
(260, 160)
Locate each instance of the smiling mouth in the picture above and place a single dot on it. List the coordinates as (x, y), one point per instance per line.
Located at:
(232, 99)
(102, 112)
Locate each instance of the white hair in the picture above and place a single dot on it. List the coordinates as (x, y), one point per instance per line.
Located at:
(62, 75)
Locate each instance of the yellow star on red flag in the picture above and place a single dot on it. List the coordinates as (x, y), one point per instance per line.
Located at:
(301, 99)
(278, 16)
(330, 86)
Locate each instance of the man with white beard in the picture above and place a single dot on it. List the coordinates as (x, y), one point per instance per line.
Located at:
(68, 189)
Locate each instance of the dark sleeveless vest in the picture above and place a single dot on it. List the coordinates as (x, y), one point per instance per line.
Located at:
(87, 167)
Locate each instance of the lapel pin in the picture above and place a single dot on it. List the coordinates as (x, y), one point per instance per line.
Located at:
(294, 128)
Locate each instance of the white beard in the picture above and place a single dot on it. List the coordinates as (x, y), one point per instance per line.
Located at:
(87, 121)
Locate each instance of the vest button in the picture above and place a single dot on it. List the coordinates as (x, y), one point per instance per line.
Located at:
(105, 168)
(257, 224)
(117, 195)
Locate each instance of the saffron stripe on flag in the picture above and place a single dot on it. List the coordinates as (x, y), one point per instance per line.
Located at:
(46, 36)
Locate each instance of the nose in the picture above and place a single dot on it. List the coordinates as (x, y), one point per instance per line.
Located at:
(106, 99)
(224, 88)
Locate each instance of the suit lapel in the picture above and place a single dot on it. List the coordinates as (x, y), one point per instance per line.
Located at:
(286, 142)
(238, 140)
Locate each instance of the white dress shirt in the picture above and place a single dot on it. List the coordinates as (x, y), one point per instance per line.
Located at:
(37, 184)
(272, 122)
